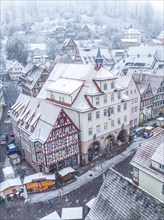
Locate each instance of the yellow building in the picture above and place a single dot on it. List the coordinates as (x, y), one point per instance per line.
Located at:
(148, 166)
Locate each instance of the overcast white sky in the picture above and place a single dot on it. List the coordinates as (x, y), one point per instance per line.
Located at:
(159, 4)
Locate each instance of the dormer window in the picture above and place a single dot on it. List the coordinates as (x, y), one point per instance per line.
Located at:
(97, 101)
(105, 86)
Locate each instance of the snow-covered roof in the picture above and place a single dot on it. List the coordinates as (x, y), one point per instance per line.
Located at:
(156, 41)
(74, 213)
(90, 203)
(92, 52)
(149, 128)
(85, 76)
(38, 176)
(158, 156)
(129, 40)
(66, 171)
(120, 199)
(123, 81)
(133, 31)
(161, 35)
(10, 183)
(78, 73)
(33, 75)
(41, 112)
(8, 170)
(66, 86)
(142, 50)
(51, 216)
(37, 46)
(160, 119)
(143, 158)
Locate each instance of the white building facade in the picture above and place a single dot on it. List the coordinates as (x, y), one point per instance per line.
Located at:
(133, 92)
(94, 101)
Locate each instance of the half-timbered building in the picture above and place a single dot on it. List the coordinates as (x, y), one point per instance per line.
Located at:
(146, 105)
(33, 80)
(69, 46)
(49, 138)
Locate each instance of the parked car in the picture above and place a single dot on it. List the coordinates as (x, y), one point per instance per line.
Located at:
(3, 139)
(147, 135)
(12, 149)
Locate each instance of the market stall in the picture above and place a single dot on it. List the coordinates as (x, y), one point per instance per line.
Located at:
(66, 174)
(39, 182)
(8, 172)
(11, 187)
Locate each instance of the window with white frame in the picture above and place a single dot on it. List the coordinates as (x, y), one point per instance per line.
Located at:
(49, 145)
(125, 106)
(112, 85)
(89, 117)
(59, 98)
(62, 99)
(118, 108)
(112, 110)
(119, 95)
(105, 125)
(136, 108)
(119, 121)
(105, 99)
(97, 100)
(136, 99)
(63, 152)
(161, 167)
(105, 86)
(98, 129)
(90, 131)
(132, 109)
(135, 121)
(112, 123)
(112, 97)
(125, 118)
(97, 114)
(105, 112)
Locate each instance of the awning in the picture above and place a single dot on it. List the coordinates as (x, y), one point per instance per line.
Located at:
(66, 171)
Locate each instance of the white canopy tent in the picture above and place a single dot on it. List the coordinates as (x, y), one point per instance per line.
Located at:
(72, 213)
(52, 216)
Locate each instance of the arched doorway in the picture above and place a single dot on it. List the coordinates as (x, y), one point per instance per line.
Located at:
(93, 150)
(109, 141)
(122, 136)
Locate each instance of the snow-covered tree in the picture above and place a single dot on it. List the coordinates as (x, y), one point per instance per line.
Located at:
(16, 49)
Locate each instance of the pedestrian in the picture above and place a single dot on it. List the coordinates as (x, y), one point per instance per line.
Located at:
(49, 203)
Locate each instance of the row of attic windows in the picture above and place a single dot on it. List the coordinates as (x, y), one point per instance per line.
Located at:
(61, 99)
(105, 86)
